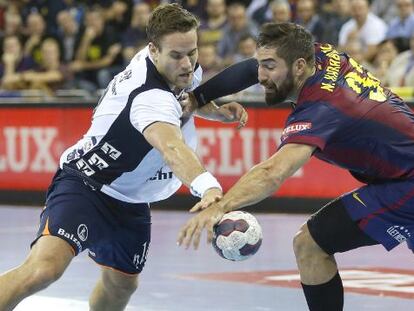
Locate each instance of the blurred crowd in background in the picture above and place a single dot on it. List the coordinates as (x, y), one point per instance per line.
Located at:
(51, 45)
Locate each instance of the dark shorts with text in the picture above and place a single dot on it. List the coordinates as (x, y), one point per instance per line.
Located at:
(116, 233)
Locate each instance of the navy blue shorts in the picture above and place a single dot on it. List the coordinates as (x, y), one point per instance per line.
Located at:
(116, 233)
(385, 211)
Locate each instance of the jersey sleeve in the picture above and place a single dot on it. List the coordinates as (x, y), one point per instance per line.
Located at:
(313, 124)
(155, 106)
(231, 80)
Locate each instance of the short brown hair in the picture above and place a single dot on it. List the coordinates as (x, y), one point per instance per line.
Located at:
(169, 18)
(292, 41)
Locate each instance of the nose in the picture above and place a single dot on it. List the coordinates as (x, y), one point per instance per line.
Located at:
(262, 76)
(186, 63)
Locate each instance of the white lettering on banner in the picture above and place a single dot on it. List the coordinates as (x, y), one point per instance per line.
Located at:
(226, 167)
(17, 157)
(206, 141)
(43, 138)
(257, 145)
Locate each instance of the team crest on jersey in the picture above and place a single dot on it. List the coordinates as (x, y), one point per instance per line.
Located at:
(295, 128)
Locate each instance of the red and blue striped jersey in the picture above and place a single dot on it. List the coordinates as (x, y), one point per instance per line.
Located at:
(352, 120)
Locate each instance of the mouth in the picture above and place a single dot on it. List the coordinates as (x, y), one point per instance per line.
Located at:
(186, 75)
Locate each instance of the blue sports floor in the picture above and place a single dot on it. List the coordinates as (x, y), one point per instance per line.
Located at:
(176, 279)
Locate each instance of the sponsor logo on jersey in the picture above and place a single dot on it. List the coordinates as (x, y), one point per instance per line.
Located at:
(84, 167)
(355, 195)
(70, 236)
(399, 233)
(83, 232)
(295, 128)
(111, 151)
(160, 175)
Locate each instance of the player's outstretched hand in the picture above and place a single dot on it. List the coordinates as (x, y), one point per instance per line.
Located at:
(191, 231)
(188, 103)
(234, 112)
(210, 196)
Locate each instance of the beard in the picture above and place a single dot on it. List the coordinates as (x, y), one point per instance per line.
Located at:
(276, 95)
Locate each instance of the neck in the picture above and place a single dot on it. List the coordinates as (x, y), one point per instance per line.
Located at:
(300, 82)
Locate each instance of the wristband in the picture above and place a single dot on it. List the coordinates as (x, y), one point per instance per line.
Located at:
(202, 183)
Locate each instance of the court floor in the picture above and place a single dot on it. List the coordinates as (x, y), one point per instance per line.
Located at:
(176, 279)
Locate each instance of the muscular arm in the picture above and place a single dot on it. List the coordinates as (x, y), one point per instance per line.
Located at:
(266, 177)
(231, 80)
(183, 161)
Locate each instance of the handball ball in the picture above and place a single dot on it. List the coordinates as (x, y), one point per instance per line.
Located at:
(237, 236)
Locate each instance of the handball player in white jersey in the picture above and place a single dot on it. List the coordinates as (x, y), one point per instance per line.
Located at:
(139, 149)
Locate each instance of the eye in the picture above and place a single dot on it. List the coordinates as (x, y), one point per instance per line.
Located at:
(176, 56)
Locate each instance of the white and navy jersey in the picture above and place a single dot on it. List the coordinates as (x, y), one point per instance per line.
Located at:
(113, 155)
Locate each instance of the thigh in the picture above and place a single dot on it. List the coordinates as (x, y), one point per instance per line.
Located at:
(71, 213)
(51, 250)
(125, 246)
(384, 211)
(335, 231)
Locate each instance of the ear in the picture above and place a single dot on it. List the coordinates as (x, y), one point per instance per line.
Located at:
(153, 51)
(299, 67)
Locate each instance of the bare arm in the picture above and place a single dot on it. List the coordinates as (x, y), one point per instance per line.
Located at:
(227, 113)
(266, 177)
(257, 184)
(183, 161)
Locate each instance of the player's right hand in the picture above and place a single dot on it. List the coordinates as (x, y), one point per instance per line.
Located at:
(191, 231)
(211, 196)
(188, 103)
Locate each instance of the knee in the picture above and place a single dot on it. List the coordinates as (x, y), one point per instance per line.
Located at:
(42, 274)
(121, 286)
(304, 246)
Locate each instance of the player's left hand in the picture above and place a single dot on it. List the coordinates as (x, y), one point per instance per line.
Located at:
(234, 112)
(191, 231)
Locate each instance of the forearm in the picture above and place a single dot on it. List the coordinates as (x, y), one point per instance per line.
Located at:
(266, 177)
(231, 80)
(183, 161)
(253, 187)
(81, 53)
(210, 111)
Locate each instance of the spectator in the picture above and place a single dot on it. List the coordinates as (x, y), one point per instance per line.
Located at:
(68, 31)
(211, 29)
(402, 26)
(51, 74)
(401, 71)
(98, 52)
(118, 15)
(14, 63)
(12, 24)
(36, 33)
(238, 25)
(280, 11)
(334, 19)
(308, 18)
(209, 60)
(354, 49)
(365, 27)
(47, 9)
(136, 31)
(387, 52)
(246, 47)
(385, 9)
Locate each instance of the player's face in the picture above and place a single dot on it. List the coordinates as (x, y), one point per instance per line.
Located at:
(176, 57)
(274, 75)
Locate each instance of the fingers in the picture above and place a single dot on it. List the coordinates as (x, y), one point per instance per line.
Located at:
(243, 118)
(210, 232)
(196, 208)
(186, 234)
